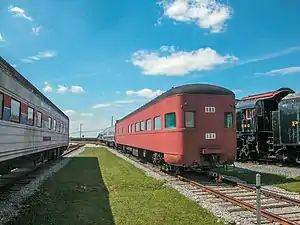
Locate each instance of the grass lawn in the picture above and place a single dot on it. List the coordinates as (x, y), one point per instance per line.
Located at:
(249, 176)
(97, 187)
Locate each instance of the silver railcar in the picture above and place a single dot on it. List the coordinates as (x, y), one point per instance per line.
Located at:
(31, 126)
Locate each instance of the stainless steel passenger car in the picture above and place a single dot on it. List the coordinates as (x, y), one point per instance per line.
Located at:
(108, 136)
(32, 128)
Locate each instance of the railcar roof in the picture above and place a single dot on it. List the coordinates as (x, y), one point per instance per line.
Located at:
(292, 96)
(16, 75)
(208, 89)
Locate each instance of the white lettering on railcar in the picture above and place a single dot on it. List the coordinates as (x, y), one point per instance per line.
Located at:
(210, 136)
(209, 109)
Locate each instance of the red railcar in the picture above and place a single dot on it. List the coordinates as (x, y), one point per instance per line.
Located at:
(187, 126)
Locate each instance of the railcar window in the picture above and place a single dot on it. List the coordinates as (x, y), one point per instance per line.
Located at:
(170, 120)
(132, 128)
(30, 116)
(58, 126)
(157, 123)
(15, 111)
(122, 130)
(228, 120)
(148, 124)
(54, 124)
(189, 119)
(129, 129)
(137, 127)
(142, 125)
(49, 123)
(1, 105)
(39, 119)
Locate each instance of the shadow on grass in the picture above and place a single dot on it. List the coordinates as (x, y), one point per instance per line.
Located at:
(74, 195)
(250, 176)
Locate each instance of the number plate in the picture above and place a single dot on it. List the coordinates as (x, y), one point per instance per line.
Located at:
(210, 136)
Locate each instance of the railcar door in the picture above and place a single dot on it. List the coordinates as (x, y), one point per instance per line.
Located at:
(289, 123)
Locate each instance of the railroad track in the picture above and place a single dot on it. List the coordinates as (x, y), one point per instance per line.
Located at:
(21, 176)
(236, 197)
(244, 197)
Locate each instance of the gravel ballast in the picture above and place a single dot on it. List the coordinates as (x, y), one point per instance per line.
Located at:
(12, 205)
(289, 172)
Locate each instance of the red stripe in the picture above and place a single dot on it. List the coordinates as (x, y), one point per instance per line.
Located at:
(264, 95)
(7, 101)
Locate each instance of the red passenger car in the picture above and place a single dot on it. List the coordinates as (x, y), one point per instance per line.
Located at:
(187, 126)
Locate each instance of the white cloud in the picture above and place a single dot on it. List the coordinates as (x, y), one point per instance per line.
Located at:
(46, 54)
(1, 38)
(283, 71)
(62, 89)
(167, 48)
(36, 30)
(125, 101)
(69, 112)
(148, 93)
(103, 105)
(47, 87)
(207, 14)
(39, 56)
(179, 63)
(76, 89)
(18, 12)
(27, 60)
(73, 89)
(87, 114)
(237, 91)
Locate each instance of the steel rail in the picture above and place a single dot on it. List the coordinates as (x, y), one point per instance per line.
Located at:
(268, 215)
(293, 201)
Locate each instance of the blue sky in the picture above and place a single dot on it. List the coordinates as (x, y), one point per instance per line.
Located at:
(99, 58)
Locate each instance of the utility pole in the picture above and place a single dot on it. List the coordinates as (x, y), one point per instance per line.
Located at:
(80, 129)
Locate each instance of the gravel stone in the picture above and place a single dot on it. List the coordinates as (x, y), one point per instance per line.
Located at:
(13, 204)
(290, 172)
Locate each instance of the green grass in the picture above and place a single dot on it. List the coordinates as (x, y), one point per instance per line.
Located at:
(249, 176)
(99, 188)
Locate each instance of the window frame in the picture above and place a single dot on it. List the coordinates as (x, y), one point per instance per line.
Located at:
(147, 124)
(1, 106)
(194, 113)
(225, 119)
(33, 117)
(142, 122)
(132, 128)
(165, 118)
(137, 126)
(19, 117)
(129, 128)
(54, 124)
(37, 119)
(49, 123)
(154, 122)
